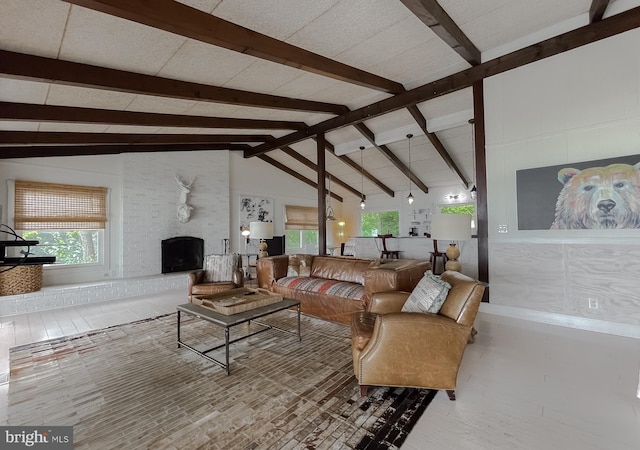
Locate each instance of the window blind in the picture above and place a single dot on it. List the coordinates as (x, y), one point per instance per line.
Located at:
(301, 217)
(49, 206)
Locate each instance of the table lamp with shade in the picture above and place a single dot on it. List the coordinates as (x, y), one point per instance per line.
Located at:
(451, 227)
(262, 231)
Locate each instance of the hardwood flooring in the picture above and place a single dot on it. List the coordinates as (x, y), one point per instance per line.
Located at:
(522, 385)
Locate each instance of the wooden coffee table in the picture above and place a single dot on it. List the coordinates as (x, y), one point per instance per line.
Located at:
(229, 321)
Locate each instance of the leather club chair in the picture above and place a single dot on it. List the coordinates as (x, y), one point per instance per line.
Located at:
(219, 273)
(419, 350)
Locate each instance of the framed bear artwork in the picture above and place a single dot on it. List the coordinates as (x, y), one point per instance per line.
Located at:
(601, 194)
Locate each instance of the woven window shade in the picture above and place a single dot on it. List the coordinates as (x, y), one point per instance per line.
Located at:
(49, 206)
(301, 217)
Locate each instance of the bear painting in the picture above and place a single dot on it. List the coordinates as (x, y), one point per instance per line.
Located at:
(599, 198)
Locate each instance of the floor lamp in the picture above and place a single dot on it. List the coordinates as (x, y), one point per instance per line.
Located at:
(451, 227)
(262, 231)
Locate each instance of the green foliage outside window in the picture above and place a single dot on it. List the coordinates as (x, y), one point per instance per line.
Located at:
(301, 238)
(69, 246)
(292, 239)
(387, 222)
(458, 209)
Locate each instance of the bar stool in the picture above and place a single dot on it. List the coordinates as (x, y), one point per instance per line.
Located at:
(388, 253)
(435, 254)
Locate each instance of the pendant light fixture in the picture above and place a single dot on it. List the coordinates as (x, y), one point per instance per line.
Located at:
(362, 202)
(474, 191)
(410, 196)
(330, 214)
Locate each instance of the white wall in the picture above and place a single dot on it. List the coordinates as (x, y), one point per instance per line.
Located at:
(143, 197)
(579, 106)
(256, 177)
(150, 199)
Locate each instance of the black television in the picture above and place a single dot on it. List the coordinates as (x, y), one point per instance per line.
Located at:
(275, 245)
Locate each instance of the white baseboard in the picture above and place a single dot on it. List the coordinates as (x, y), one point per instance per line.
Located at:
(563, 320)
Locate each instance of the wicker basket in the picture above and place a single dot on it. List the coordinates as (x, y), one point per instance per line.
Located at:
(21, 279)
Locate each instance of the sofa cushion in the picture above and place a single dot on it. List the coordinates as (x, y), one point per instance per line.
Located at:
(343, 289)
(428, 295)
(219, 267)
(341, 269)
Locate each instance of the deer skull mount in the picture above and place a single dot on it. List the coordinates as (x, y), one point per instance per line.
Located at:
(184, 210)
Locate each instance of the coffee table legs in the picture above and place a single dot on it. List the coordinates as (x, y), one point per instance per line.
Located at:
(226, 349)
(227, 339)
(299, 335)
(178, 328)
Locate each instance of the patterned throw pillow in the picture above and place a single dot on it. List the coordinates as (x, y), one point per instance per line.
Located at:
(298, 267)
(428, 295)
(219, 267)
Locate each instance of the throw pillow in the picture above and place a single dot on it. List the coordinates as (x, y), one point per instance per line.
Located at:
(220, 267)
(428, 295)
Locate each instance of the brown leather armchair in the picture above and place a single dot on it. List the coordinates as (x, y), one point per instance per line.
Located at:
(220, 273)
(420, 350)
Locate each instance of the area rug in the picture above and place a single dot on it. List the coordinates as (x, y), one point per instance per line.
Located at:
(130, 386)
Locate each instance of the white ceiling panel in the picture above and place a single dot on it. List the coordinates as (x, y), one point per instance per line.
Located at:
(73, 127)
(346, 24)
(448, 104)
(202, 63)
(263, 76)
(99, 39)
(37, 26)
(523, 17)
(87, 98)
(8, 125)
(203, 5)
(275, 18)
(14, 90)
(162, 105)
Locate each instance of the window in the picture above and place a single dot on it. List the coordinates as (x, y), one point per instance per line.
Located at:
(465, 208)
(373, 224)
(67, 220)
(301, 229)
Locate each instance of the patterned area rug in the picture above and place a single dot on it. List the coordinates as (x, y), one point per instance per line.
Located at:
(130, 386)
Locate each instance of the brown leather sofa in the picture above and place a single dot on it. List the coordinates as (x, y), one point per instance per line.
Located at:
(334, 287)
(420, 350)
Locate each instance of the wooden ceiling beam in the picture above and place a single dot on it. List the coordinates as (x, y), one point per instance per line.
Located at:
(597, 9)
(386, 151)
(68, 114)
(310, 164)
(436, 18)
(48, 70)
(594, 32)
(293, 173)
(359, 169)
(437, 144)
(34, 151)
(45, 137)
(183, 20)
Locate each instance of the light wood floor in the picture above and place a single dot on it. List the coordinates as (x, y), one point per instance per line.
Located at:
(522, 385)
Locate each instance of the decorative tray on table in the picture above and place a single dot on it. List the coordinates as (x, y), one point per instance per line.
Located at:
(236, 300)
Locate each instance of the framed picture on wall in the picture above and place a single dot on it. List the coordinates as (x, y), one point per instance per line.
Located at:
(255, 209)
(600, 194)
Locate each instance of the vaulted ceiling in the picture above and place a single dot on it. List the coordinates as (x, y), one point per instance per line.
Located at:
(271, 78)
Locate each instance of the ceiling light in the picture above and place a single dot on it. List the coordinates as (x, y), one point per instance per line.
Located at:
(410, 197)
(474, 191)
(330, 214)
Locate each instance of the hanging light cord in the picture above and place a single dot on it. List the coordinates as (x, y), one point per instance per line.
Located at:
(362, 202)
